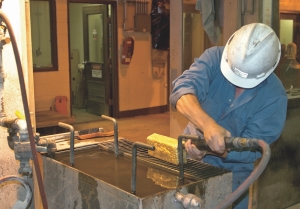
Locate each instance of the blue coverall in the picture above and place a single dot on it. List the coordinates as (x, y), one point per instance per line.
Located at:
(259, 112)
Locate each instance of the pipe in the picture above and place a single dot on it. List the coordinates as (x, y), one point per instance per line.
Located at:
(2, 111)
(13, 127)
(116, 137)
(125, 15)
(16, 124)
(26, 202)
(22, 129)
(134, 160)
(180, 151)
(266, 153)
(26, 108)
(67, 126)
(189, 200)
(7, 122)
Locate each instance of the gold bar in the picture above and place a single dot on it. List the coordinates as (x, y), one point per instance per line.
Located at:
(165, 148)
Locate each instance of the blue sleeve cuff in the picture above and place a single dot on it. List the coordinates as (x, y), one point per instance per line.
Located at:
(175, 96)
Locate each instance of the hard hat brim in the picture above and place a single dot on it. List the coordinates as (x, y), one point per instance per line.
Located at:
(237, 80)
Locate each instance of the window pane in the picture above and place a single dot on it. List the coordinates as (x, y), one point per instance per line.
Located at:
(41, 36)
(286, 31)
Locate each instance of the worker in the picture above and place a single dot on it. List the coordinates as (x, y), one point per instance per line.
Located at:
(232, 91)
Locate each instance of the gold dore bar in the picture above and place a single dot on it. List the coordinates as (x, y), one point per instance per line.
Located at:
(165, 148)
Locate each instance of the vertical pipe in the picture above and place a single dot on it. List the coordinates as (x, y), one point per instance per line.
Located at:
(71, 128)
(134, 162)
(2, 111)
(180, 151)
(133, 169)
(116, 137)
(125, 16)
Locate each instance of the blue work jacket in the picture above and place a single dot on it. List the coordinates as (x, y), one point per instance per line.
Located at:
(259, 112)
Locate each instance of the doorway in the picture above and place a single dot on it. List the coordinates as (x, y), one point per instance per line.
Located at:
(288, 67)
(92, 65)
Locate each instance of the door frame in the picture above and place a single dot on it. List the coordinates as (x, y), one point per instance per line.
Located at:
(113, 101)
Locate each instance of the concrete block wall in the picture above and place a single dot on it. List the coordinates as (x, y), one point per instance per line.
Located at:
(15, 12)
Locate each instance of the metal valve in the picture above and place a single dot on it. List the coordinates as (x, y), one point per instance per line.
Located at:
(189, 201)
(4, 40)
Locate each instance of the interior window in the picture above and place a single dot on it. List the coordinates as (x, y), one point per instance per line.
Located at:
(43, 35)
(288, 69)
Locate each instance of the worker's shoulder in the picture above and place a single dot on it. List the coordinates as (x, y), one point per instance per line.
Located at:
(214, 52)
(215, 49)
(274, 85)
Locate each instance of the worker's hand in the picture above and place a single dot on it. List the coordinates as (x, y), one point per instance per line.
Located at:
(214, 137)
(193, 152)
(189, 106)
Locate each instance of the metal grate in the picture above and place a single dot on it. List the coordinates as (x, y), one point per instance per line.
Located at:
(194, 169)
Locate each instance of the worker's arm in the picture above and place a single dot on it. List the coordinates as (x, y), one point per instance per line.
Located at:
(190, 89)
(214, 134)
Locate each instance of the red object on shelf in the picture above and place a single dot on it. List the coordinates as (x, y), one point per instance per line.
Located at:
(61, 105)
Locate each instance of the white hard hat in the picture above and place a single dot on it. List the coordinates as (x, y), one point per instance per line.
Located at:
(250, 55)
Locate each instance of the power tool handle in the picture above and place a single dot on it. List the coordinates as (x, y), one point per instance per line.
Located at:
(230, 142)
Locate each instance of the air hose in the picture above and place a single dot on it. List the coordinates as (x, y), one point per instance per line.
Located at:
(266, 153)
(237, 143)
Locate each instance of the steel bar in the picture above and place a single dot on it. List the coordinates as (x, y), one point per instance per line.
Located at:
(180, 151)
(116, 137)
(134, 160)
(67, 126)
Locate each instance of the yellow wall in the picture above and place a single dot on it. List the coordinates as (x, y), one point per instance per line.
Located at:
(138, 88)
(48, 85)
(289, 5)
